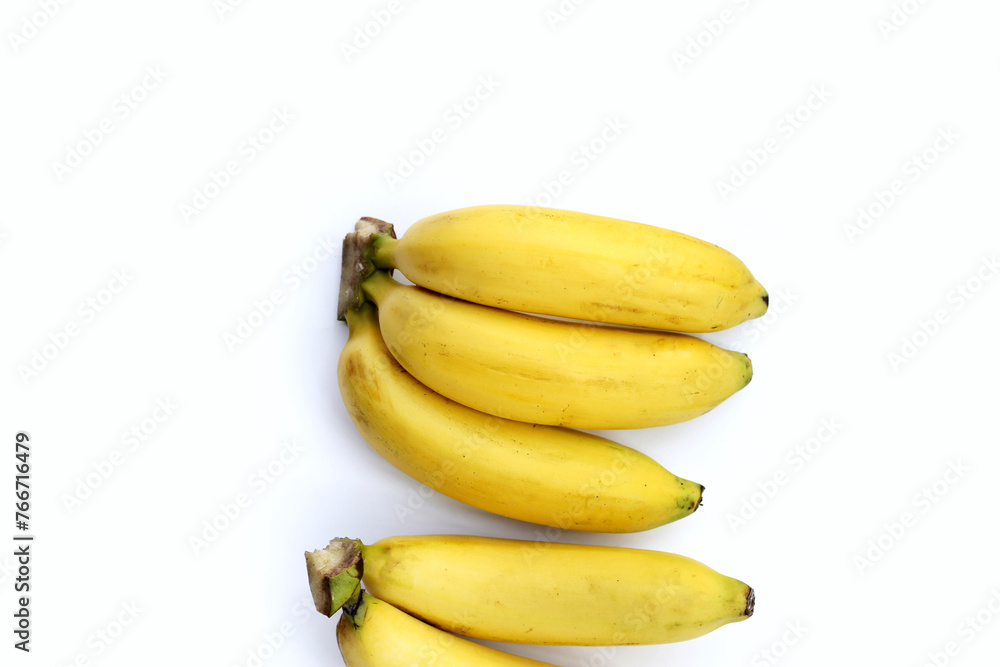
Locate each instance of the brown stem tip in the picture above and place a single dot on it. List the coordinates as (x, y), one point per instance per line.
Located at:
(334, 573)
(356, 263)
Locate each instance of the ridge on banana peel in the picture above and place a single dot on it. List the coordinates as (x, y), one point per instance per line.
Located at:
(570, 264)
(545, 371)
(542, 474)
(373, 633)
(532, 592)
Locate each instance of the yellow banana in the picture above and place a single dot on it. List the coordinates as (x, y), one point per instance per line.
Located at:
(533, 592)
(543, 474)
(576, 265)
(544, 371)
(373, 633)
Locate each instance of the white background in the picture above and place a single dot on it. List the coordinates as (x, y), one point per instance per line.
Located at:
(116, 578)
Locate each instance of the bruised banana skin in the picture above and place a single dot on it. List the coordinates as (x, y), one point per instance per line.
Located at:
(541, 474)
(576, 265)
(545, 371)
(535, 592)
(373, 633)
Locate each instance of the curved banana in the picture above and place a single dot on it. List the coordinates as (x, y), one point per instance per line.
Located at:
(545, 371)
(543, 474)
(533, 592)
(576, 265)
(373, 633)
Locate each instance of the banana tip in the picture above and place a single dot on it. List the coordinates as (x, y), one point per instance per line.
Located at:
(750, 602)
(747, 368)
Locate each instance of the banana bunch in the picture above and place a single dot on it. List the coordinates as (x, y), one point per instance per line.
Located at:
(495, 260)
(524, 325)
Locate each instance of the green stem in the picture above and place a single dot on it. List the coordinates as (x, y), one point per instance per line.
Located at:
(356, 263)
(354, 609)
(378, 285)
(361, 319)
(383, 251)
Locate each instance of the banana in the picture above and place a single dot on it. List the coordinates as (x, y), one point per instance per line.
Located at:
(544, 371)
(373, 633)
(542, 474)
(576, 265)
(533, 592)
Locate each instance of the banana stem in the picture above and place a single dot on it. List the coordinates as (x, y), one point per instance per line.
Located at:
(356, 263)
(355, 606)
(378, 285)
(383, 251)
(361, 318)
(335, 574)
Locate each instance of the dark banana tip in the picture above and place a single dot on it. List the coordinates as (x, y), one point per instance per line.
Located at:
(767, 300)
(750, 602)
(697, 501)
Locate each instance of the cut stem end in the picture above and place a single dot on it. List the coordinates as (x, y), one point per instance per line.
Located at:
(356, 263)
(334, 574)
